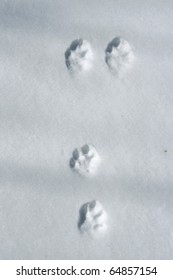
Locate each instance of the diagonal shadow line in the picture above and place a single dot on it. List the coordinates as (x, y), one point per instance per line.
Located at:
(44, 179)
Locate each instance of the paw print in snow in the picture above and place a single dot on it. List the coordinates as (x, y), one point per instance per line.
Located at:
(79, 56)
(93, 218)
(85, 160)
(119, 55)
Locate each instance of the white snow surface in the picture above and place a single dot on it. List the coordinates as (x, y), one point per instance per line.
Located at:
(45, 113)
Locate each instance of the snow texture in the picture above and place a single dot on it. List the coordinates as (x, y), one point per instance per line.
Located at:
(119, 55)
(45, 113)
(85, 160)
(93, 218)
(79, 56)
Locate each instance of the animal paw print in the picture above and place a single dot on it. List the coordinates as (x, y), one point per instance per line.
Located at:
(118, 55)
(85, 160)
(93, 218)
(79, 56)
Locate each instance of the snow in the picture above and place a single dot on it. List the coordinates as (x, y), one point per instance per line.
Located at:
(45, 113)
